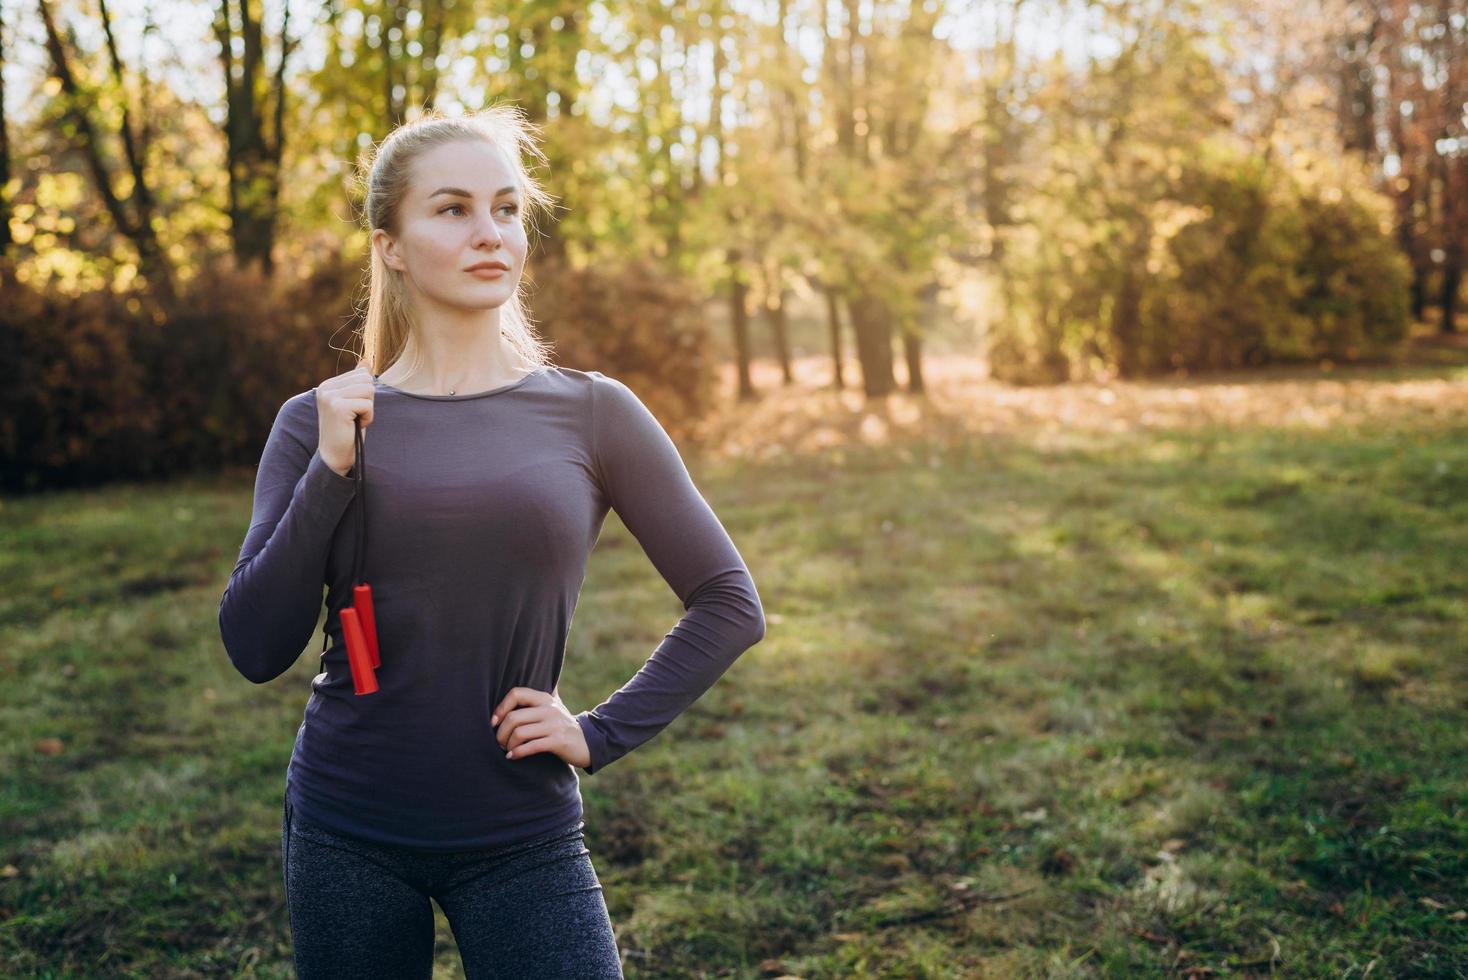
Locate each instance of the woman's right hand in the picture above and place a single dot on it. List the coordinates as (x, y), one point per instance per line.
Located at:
(339, 400)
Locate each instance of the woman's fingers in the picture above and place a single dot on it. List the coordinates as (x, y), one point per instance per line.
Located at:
(340, 401)
(568, 743)
(528, 721)
(532, 747)
(516, 720)
(347, 409)
(357, 381)
(515, 697)
(544, 726)
(526, 732)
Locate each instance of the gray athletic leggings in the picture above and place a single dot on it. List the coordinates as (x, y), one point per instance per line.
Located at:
(361, 910)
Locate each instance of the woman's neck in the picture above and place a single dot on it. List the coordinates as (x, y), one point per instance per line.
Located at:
(451, 375)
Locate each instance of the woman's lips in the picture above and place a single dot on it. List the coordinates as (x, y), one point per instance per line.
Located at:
(487, 272)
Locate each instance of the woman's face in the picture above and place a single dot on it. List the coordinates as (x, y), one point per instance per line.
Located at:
(462, 209)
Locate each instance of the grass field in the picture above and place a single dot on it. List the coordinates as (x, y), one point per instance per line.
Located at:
(1164, 679)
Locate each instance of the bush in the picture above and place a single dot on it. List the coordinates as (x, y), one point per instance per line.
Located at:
(1239, 263)
(1282, 268)
(235, 348)
(110, 387)
(106, 386)
(636, 322)
(72, 411)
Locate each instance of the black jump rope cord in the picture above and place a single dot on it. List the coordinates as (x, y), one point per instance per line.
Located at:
(361, 480)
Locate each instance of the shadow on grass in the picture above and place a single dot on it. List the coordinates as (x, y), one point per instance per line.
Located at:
(1003, 674)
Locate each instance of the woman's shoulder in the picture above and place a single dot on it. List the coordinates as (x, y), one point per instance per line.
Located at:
(299, 408)
(598, 381)
(594, 385)
(585, 378)
(296, 418)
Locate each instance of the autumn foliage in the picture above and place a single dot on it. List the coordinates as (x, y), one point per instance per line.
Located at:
(108, 385)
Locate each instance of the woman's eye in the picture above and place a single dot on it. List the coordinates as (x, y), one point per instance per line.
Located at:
(513, 208)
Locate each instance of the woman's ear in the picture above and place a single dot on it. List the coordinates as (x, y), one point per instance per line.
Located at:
(387, 248)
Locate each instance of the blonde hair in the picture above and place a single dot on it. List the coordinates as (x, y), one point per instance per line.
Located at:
(384, 171)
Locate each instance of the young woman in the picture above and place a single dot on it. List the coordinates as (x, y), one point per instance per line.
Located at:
(489, 475)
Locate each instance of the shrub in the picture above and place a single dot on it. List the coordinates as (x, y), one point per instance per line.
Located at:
(636, 322)
(1236, 263)
(107, 386)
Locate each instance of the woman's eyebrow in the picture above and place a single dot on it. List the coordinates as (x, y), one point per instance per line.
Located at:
(460, 192)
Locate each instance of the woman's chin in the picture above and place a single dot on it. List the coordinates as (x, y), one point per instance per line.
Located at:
(472, 299)
(481, 299)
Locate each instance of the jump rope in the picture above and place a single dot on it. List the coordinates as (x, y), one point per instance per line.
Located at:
(359, 624)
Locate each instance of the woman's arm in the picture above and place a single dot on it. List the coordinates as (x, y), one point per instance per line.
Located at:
(273, 599)
(648, 485)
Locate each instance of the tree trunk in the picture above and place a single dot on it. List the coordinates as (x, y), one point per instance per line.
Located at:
(912, 353)
(1452, 282)
(738, 317)
(133, 217)
(872, 326)
(252, 153)
(912, 340)
(1455, 211)
(833, 323)
(740, 321)
(775, 312)
(1126, 317)
(432, 44)
(5, 207)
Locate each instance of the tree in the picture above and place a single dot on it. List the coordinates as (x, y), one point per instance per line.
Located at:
(5, 207)
(254, 127)
(133, 214)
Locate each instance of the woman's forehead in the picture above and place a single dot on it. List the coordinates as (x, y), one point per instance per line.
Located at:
(477, 166)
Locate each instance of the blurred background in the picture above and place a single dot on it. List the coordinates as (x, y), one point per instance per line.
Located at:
(1063, 190)
(1084, 382)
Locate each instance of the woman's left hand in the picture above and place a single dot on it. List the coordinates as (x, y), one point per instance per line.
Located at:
(534, 721)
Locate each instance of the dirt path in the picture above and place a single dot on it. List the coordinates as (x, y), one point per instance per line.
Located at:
(962, 401)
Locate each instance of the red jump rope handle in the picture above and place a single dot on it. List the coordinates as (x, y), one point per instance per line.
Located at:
(362, 603)
(358, 656)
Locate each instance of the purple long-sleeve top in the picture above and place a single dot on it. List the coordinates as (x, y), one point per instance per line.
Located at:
(482, 510)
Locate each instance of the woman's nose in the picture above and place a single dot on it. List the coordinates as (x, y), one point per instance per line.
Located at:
(486, 231)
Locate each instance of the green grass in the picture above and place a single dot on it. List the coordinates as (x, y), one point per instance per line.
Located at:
(1138, 705)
